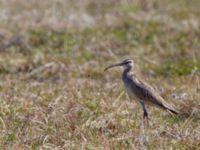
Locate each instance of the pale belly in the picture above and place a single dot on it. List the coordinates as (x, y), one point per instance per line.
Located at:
(130, 93)
(129, 88)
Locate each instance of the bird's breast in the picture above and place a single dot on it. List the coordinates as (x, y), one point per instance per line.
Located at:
(129, 91)
(129, 87)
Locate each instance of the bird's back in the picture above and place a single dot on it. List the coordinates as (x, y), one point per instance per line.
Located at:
(138, 88)
(143, 91)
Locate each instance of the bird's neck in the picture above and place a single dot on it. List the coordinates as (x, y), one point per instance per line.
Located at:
(127, 70)
(126, 73)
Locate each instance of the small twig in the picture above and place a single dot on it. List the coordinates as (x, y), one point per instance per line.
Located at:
(3, 123)
(118, 98)
(40, 69)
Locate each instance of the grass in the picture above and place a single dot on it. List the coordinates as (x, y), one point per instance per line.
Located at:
(54, 93)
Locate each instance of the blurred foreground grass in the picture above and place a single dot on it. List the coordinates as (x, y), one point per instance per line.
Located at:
(54, 93)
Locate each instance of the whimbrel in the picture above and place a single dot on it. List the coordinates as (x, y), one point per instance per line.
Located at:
(140, 90)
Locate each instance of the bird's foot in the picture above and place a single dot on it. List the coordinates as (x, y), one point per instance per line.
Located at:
(146, 118)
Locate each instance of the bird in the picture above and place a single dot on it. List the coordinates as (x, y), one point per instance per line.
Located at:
(140, 90)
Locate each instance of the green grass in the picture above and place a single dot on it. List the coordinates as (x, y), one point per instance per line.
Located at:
(54, 93)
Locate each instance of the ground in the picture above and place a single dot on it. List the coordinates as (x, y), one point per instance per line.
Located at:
(54, 93)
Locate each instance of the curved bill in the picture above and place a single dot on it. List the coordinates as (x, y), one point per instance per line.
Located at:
(115, 65)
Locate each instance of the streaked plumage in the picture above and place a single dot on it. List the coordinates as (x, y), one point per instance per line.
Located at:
(136, 88)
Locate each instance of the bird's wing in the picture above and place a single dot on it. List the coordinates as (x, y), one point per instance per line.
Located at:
(146, 93)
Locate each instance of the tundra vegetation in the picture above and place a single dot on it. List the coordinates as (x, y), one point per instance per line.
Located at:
(54, 93)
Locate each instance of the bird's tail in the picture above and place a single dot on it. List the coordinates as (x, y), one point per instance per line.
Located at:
(170, 108)
(174, 111)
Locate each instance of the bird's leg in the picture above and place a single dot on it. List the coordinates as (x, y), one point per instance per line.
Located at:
(145, 114)
(144, 137)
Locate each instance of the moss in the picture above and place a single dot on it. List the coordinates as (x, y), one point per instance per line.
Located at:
(177, 68)
(91, 105)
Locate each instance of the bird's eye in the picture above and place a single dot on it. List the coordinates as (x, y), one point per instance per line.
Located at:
(127, 62)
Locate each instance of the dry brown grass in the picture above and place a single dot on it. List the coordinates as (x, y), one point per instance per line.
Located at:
(54, 93)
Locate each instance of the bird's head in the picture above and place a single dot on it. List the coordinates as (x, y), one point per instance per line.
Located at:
(127, 63)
